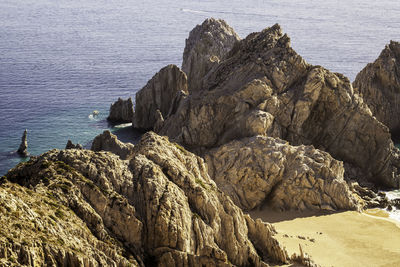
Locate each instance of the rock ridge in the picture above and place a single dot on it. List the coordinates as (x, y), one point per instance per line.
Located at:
(379, 85)
(158, 208)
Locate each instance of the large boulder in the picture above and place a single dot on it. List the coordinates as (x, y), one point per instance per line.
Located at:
(206, 46)
(379, 85)
(163, 92)
(109, 142)
(161, 207)
(121, 111)
(262, 170)
(263, 87)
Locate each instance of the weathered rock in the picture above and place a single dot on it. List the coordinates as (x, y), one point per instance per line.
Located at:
(263, 170)
(161, 206)
(109, 142)
(40, 229)
(379, 85)
(163, 92)
(263, 87)
(206, 46)
(23, 147)
(71, 145)
(121, 111)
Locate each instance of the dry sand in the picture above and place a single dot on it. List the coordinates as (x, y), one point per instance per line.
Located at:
(339, 239)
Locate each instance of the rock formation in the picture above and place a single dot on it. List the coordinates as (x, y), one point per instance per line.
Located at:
(71, 145)
(206, 46)
(163, 92)
(263, 87)
(379, 85)
(264, 170)
(121, 111)
(109, 142)
(158, 209)
(23, 147)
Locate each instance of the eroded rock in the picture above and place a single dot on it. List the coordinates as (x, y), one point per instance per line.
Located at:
(379, 85)
(109, 142)
(121, 111)
(163, 92)
(161, 206)
(263, 87)
(263, 170)
(206, 47)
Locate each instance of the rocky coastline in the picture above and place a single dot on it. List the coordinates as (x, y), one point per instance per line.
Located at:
(246, 125)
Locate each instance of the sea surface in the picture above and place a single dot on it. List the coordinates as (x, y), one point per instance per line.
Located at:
(61, 60)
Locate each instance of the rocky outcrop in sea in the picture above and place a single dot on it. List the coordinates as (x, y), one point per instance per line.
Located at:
(23, 147)
(159, 98)
(121, 111)
(263, 87)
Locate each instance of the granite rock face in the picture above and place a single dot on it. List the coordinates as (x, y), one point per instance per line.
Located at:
(263, 170)
(23, 147)
(206, 47)
(158, 209)
(121, 111)
(109, 142)
(164, 93)
(263, 87)
(379, 85)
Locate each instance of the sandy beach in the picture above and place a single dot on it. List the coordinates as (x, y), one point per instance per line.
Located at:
(339, 239)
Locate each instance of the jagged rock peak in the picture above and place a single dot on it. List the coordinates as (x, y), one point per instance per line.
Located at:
(109, 142)
(121, 111)
(263, 87)
(163, 92)
(379, 85)
(261, 54)
(206, 47)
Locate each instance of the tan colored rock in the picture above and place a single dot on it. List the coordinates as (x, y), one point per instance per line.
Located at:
(163, 92)
(379, 85)
(161, 206)
(40, 230)
(109, 142)
(121, 111)
(263, 170)
(206, 46)
(263, 87)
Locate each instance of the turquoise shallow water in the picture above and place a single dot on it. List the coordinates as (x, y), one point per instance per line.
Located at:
(60, 60)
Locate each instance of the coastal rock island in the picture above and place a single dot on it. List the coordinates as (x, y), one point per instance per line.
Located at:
(246, 133)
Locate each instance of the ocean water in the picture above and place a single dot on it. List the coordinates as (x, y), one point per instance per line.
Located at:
(60, 60)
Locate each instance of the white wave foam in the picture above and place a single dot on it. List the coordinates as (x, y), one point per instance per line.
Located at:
(193, 11)
(123, 125)
(392, 194)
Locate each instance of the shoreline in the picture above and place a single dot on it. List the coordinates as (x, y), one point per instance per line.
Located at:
(348, 238)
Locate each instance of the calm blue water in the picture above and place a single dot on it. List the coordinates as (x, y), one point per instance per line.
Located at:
(60, 60)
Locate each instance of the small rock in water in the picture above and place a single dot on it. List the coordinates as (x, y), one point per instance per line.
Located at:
(71, 145)
(23, 147)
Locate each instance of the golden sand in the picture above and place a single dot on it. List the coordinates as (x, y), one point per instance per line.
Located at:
(339, 239)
